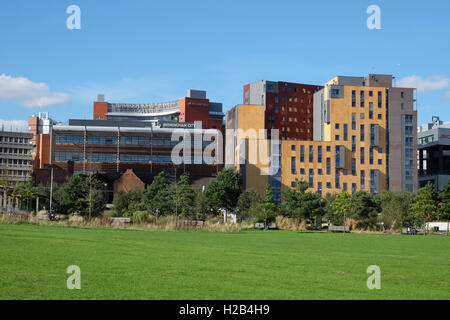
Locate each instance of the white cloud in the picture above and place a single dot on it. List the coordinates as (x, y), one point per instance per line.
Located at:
(14, 125)
(431, 83)
(29, 93)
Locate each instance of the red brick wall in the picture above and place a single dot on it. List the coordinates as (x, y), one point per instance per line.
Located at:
(127, 182)
(100, 110)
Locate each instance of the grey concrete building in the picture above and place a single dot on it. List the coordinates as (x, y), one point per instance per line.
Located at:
(434, 153)
(15, 156)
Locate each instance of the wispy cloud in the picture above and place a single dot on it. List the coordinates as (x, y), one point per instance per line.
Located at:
(14, 125)
(28, 93)
(431, 83)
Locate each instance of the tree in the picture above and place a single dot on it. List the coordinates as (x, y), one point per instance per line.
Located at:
(425, 205)
(341, 206)
(157, 197)
(297, 203)
(248, 199)
(184, 197)
(201, 207)
(269, 205)
(224, 191)
(365, 209)
(71, 197)
(444, 208)
(120, 203)
(395, 209)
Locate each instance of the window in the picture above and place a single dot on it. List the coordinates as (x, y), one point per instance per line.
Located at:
(336, 137)
(353, 121)
(408, 118)
(102, 157)
(362, 98)
(328, 185)
(408, 130)
(370, 93)
(137, 141)
(328, 149)
(380, 116)
(337, 179)
(362, 155)
(293, 170)
(319, 188)
(159, 159)
(380, 150)
(164, 141)
(60, 138)
(362, 115)
(345, 186)
(328, 166)
(353, 143)
(353, 98)
(402, 94)
(361, 138)
(380, 161)
(311, 153)
(402, 106)
(271, 118)
(409, 153)
(370, 110)
(409, 142)
(320, 171)
(409, 187)
(293, 184)
(302, 171)
(370, 156)
(66, 156)
(293, 147)
(408, 175)
(380, 99)
(353, 188)
(363, 179)
(102, 140)
(337, 155)
(345, 132)
(302, 153)
(354, 167)
(319, 154)
(311, 178)
(336, 126)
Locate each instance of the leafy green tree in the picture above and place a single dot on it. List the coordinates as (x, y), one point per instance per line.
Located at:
(71, 197)
(342, 207)
(269, 205)
(201, 207)
(425, 205)
(297, 203)
(444, 209)
(365, 209)
(96, 202)
(120, 203)
(395, 212)
(224, 191)
(157, 197)
(184, 198)
(248, 199)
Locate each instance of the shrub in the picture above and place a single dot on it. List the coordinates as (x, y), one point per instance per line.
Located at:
(139, 216)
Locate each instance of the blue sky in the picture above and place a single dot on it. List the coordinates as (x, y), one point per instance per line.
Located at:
(151, 51)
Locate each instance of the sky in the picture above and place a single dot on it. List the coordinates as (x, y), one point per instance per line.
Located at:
(144, 51)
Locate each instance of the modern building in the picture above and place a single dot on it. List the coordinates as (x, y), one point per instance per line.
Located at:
(112, 147)
(194, 107)
(15, 157)
(434, 153)
(363, 139)
(288, 106)
(40, 126)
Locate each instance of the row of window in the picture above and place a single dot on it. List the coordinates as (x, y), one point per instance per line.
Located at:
(14, 140)
(17, 173)
(337, 182)
(110, 157)
(328, 168)
(15, 151)
(362, 98)
(140, 141)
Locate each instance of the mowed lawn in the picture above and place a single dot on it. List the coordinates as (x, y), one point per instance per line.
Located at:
(126, 264)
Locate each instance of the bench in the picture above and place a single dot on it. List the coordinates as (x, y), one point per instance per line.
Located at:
(339, 228)
(121, 220)
(260, 225)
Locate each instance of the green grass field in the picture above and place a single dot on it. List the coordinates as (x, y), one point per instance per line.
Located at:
(126, 264)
